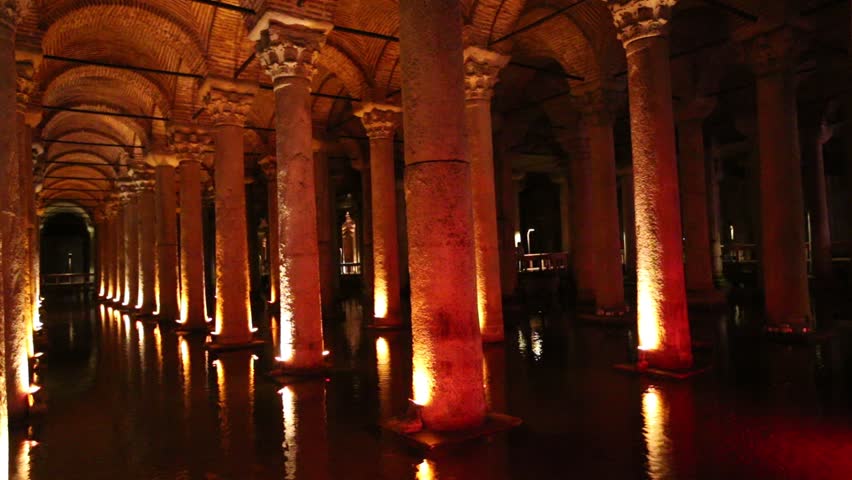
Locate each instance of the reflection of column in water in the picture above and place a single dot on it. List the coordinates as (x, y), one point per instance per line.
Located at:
(140, 332)
(23, 464)
(383, 369)
(669, 431)
(158, 349)
(353, 313)
(494, 377)
(186, 373)
(305, 431)
(236, 420)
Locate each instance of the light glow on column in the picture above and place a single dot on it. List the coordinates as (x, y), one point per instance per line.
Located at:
(648, 313)
(184, 308)
(422, 382)
(425, 471)
(380, 294)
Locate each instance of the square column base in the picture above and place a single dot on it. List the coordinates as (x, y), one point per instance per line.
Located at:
(214, 346)
(639, 369)
(426, 439)
(381, 324)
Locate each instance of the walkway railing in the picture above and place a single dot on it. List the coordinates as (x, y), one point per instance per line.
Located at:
(537, 262)
(61, 279)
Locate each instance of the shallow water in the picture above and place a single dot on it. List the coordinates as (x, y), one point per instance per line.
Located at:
(135, 401)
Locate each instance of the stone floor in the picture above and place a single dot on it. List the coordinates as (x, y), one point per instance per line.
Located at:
(134, 401)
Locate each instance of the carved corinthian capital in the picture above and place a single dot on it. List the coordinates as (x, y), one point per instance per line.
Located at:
(11, 11)
(228, 107)
(380, 121)
(597, 104)
(189, 144)
(636, 19)
(288, 46)
(772, 50)
(481, 68)
(25, 86)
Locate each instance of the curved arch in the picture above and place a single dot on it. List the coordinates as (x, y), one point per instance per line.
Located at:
(488, 20)
(129, 130)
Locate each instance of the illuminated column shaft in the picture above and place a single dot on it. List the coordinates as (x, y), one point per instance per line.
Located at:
(190, 146)
(99, 259)
(599, 175)
(147, 253)
(131, 254)
(481, 69)
(447, 344)
(288, 49)
(167, 243)
(694, 202)
(120, 249)
(784, 262)
(268, 165)
(366, 252)
(814, 139)
(584, 261)
(109, 247)
(27, 185)
(663, 323)
(380, 122)
(228, 109)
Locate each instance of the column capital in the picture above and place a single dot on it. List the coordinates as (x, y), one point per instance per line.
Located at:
(269, 165)
(11, 11)
(188, 143)
(597, 104)
(227, 102)
(637, 19)
(481, 70)
(24, 84)
(695, 110)
(161, 159)
(770, 49)
(379, 120)
(289, 46)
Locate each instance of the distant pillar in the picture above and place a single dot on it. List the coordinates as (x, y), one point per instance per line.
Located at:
(327, 267)
(167, 243)
(714, 176)
(813, 139)
(584, 261)
(663, 324)
(131, 253)
(120, 248)
(228, 105)
(268, 164)
(301, 308)
(564, 211)
(447, 345)
(147, 303)
(785, 277)
(380, 122)
(482, 68)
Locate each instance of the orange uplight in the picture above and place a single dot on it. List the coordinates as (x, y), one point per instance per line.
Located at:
(184, 309)
(425, 471)
(285, 341)
(648, 314)
(422, 385)
(380, 295)
(383, 368)
(382, 351)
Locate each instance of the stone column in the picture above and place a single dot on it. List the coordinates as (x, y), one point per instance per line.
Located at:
(190, 146)
(147, 302)
(366, 252)
(596, 105)
(508, 200)
(131, 254)
(663, 324)
(100, 233)
(564, 211)
(380, 122)
(583, 238)
(694, 198)
(447, 345)
(714, 174)
(268, 165)
(167, 242)
(109, 247)
(813, 139)
(481, 70)
(228, 105)
(328, 270)
(772, 54)
(31, 119)
(120, 248)
(628, 223)
(288, 48)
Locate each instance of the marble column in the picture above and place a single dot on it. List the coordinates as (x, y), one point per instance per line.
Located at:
(380, 123)
(31, 119)
(147, 301)
(100, 232)
(228, 105)
(268, 164)
(109, 247)
(663, 323)
(596, 104)
(508, 201)
(366, 251)
(288, 48)
(131, 253)
(813, 139)
(694, 197)
(167, 242)
(447, 345)
(190, 146)
(482, 68)
(584, 261)
(772, 53)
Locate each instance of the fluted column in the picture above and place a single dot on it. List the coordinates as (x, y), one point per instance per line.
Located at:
(228, 104)
(190, 146)
(447, 344)
(663, 324)
(147, 301)
(167, 242)
(772, 52)
(596, 105)
(380, 122)
(288, 48)
(482, 68)
(269, 166)
(694, 197)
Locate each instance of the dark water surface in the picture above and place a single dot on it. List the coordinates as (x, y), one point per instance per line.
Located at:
(129, 400)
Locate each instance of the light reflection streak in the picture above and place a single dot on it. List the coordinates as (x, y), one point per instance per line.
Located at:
(655, 414)
(290, 446)
(186, 372)
(140, 331)
(425, 470)
(383, 367)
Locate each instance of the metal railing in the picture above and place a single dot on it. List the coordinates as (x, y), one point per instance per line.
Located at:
(350, 268)
(54, 279)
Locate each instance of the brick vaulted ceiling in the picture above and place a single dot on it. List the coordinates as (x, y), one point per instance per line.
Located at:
(572, 44)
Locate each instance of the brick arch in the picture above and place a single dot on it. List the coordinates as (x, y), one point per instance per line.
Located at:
(55, 208)
(131, 132)
(488, 20)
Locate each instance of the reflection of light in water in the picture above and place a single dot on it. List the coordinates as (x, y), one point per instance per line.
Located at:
(185, 364)
(536, 325)
(425, 470)
(738, 315)
(291, 448)
(140, 331)
(158, 345)
(522, 343)
(421, 382)
(655, 413)
(353, 318)
(383, 367)
(23, 463)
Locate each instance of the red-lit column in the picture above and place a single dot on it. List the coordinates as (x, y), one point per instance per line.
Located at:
(228, 105)
(131, 254)
(167, 242)
(120, 246)
(813, 139)
(190, 147)
(268, 164)
(100, 231)
(147, 302)
(564, 211)
(32, 117)
(785, 276)
(482, 68)
(694, 198)
(109, 247)
(598, 174)
(583, 238)
(663, 324)
(288, 48)
(380, 122)
(447, 345)
(628, 222)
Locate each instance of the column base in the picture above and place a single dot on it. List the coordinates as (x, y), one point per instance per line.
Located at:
(183, 329)
(387, 323)
(790, 331)
(706, 298)
(215, 346)
(411, 430)
(493, 338)
(287, 375)
(621, 315)
(642, 368)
